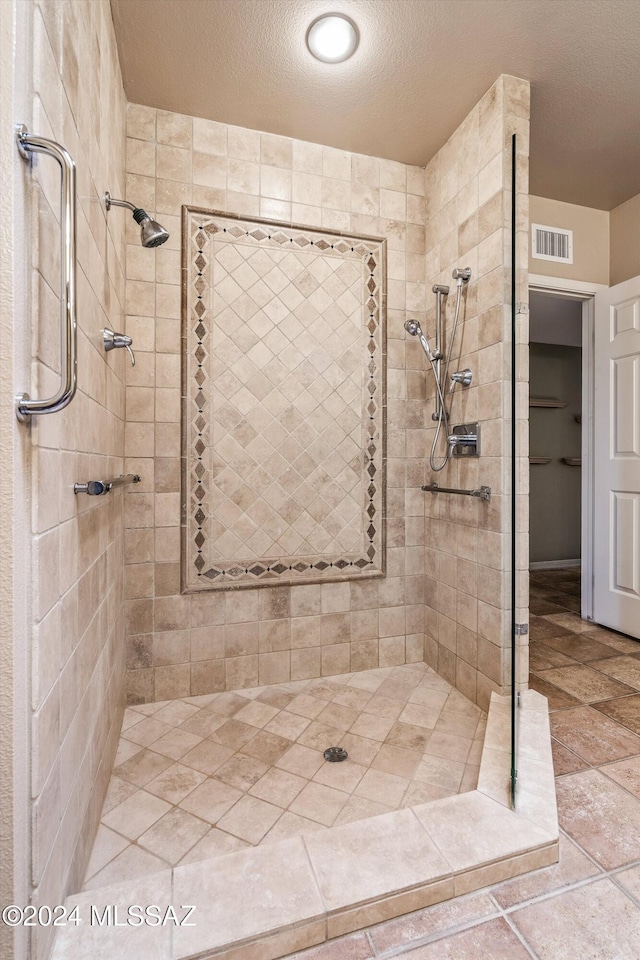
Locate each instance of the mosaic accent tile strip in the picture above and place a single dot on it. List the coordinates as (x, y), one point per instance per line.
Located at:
(283, 432)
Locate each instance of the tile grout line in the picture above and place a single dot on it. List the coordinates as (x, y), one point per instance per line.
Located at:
(372, 946)
(569, 750)
(604, 873)
(318, 888)
(598, 769)
(582, 850)
(621, 785)
(583, 703)
(435, 937)
(520, 937)
(550, 894)
(614, 878)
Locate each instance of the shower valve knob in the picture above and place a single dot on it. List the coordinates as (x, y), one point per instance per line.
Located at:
(464, 441)
(463, 377)
(114, 341)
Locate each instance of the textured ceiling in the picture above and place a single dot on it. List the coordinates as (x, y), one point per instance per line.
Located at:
(420, 67)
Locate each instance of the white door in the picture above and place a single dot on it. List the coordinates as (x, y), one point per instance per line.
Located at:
(616, 528)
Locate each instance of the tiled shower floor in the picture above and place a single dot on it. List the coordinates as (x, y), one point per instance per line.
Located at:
(203, 776)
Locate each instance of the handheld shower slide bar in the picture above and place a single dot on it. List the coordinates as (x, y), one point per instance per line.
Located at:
(436, 357)
(25, 406)
(440, 291)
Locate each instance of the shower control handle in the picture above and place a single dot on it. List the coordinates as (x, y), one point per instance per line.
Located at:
(463, 377)
(464, 440)
(114, 341)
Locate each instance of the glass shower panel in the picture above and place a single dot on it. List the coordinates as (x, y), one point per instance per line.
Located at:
(517, 471)
(512, 481)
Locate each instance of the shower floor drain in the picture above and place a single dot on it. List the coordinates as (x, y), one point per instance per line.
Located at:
(335, 754)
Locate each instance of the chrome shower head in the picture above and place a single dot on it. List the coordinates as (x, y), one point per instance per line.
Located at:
(152, 233)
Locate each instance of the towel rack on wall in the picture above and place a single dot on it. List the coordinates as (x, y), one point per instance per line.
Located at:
(25, 406)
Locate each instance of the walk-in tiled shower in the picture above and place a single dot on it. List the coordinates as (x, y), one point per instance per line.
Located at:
(277, 581)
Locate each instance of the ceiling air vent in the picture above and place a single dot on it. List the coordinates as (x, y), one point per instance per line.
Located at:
(551, 243)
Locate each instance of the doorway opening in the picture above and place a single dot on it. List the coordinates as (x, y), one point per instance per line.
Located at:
(555, 431)
(555, 435)
(562, 315)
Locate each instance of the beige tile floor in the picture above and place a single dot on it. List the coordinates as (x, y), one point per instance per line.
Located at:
(203, 776)
(588, 905)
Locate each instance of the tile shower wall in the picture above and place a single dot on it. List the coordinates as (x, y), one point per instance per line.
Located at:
(78, 649)
(178, 644)
(467, 551)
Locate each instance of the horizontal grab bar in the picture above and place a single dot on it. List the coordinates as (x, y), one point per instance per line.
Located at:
(97, 488)
(483, 493)
(25, 406)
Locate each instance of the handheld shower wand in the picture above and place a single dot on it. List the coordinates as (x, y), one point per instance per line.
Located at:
(413, 327)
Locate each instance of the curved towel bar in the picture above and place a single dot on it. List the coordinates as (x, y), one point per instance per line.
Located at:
(25, 407)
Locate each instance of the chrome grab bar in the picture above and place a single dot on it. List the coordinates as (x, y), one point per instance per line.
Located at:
(25, 407)
(483, 493)
(97, 488)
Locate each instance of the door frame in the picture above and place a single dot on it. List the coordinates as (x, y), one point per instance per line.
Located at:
(585, 292)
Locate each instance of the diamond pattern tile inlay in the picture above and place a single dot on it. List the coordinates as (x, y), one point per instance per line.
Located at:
(284, 413)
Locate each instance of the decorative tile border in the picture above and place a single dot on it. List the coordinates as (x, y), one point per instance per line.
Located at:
(232, 534)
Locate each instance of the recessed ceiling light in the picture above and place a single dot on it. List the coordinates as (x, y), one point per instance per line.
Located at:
(333, 37)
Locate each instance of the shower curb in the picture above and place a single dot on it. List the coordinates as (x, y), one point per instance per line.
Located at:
(273, 900)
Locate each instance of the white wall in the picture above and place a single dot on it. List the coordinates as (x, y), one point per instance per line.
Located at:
(590, 240)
